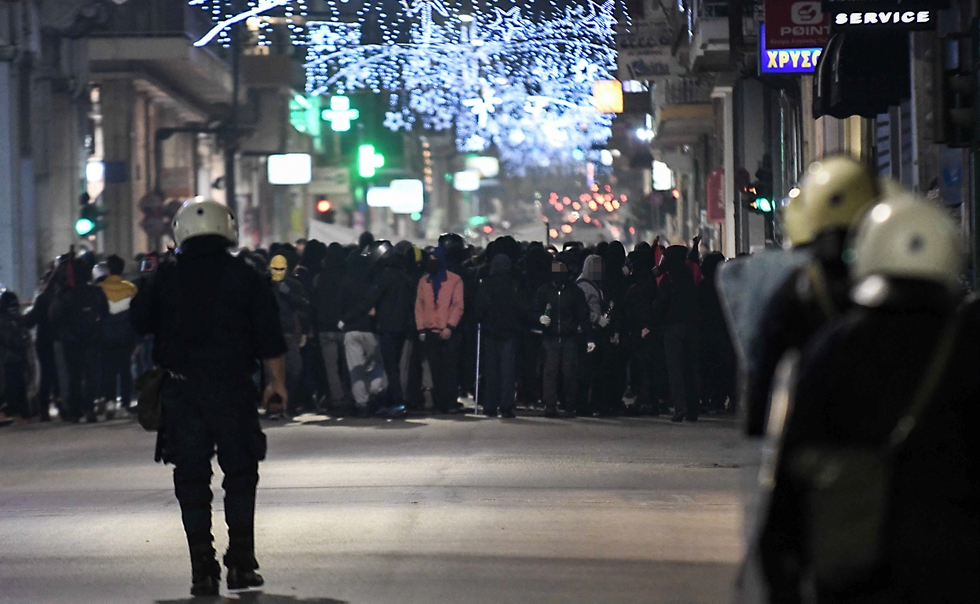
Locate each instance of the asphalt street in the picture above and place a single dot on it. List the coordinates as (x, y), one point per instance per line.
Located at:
(427, 510)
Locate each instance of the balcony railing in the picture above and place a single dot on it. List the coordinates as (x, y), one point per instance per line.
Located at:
(156, 18)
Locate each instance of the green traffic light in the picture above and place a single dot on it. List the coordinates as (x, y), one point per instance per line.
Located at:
(764, 205)
(84, 226)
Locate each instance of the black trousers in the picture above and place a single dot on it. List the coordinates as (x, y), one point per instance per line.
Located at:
(529, 368)
(560, 354)
(14, 393)
(201, 419)
(499, 364)
(116, 365)
(391, 353)
(84, 367)
(443, 357)
(680, 348)
(49, 375)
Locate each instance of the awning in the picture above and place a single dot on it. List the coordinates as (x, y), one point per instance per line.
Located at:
(863, 74)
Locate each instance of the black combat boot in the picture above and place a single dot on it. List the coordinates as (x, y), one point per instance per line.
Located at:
(205, 571)
(240, 561)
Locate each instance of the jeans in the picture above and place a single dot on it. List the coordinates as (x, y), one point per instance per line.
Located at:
(367, 371)
(116, 365)
(560, 354)
(201, 418)
(391, 352)
(332, 343)
(443, 357)
(500, 363)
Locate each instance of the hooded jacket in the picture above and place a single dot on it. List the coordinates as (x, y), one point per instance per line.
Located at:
(354, 289)
(565, 304)
(392, 296)
(435, 315)
(593, 293)
(326, 290)
(500, 303)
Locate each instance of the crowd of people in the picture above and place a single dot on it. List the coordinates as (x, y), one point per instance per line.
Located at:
(377, 329)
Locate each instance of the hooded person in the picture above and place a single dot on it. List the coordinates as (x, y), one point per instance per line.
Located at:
(641, 331)
(118, 337)
(391, 299)
(717, 352)
(326, 317)
(563, 313)
(15, 342)
(77, 313)
(595, 379)
(294, 308)
(676, 310)
(357, 320)
(502, 310)
(439, 306)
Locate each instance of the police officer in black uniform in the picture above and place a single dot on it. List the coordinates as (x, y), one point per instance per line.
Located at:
(213, 318)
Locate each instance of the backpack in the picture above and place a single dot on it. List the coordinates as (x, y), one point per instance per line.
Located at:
(77, 314)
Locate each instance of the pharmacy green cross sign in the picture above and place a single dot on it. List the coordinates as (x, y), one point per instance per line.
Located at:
(340, 115)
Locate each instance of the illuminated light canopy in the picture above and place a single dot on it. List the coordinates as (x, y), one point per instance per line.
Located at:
(499, 77)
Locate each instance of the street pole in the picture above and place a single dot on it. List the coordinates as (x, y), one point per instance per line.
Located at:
(231, 142)
(975, 150)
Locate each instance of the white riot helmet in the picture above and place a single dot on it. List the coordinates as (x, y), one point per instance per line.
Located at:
(908, 238)
(196, 218)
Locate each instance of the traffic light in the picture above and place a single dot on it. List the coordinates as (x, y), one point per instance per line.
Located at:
(324, 210)
(756, 198)
(368, 161)
(91, 218)
(957, 115)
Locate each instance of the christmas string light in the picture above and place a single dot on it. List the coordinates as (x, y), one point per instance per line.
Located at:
(502, 77)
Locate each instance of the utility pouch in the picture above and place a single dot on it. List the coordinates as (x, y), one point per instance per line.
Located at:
(846, 502)
(847, 488)
(149, 408)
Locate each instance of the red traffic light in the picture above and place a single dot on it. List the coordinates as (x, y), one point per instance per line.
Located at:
(323, 206)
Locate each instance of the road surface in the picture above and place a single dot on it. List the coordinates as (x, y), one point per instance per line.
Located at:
(429, 510)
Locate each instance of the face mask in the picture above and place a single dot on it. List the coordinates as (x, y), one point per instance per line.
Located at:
(432, 266)
(278, 267)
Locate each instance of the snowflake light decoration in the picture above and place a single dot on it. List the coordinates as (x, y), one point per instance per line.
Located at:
(503, 77)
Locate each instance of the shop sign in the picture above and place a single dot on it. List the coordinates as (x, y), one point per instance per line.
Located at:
(786, 60)
(886, 20)
(644, 51)
(796, 24)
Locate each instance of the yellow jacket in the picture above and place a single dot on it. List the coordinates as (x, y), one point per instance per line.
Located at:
(119, 292)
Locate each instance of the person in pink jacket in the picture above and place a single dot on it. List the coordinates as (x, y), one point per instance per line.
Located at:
(438, 311)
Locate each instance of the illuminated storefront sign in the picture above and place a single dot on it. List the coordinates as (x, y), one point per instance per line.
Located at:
(786, 60)
(909, 19)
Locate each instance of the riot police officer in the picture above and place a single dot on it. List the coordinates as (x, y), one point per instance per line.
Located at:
(875, 491)
(834, 194)
(213, 319)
